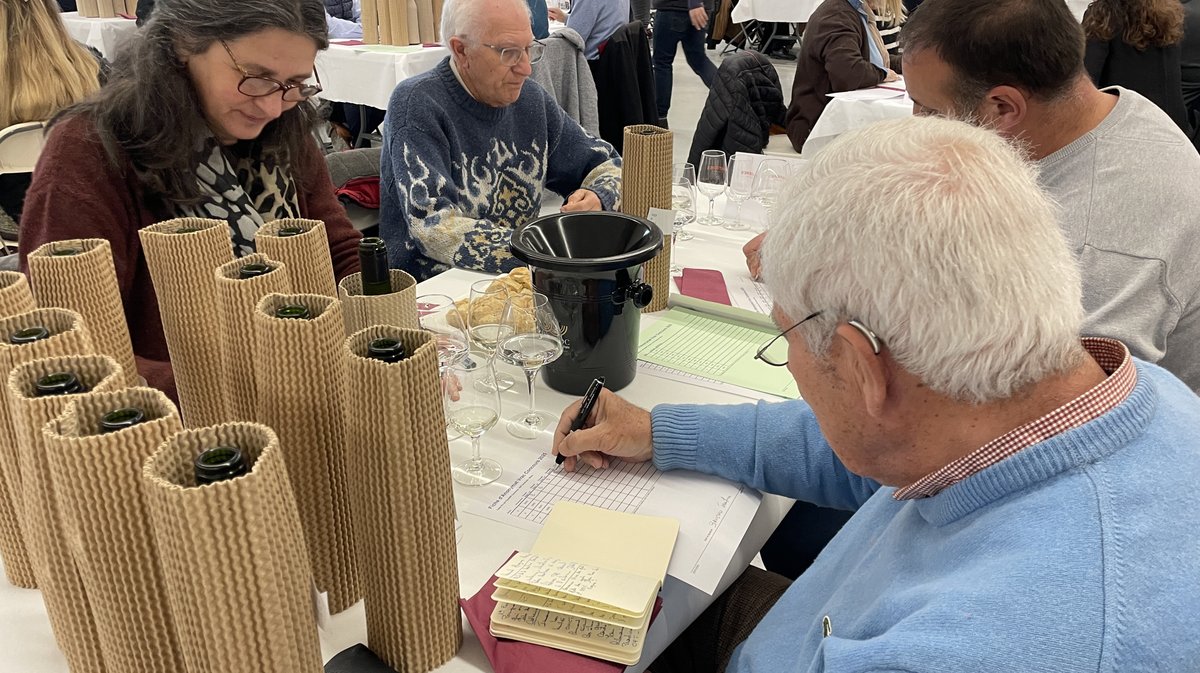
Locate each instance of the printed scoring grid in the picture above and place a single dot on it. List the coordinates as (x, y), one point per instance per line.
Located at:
(623, 487)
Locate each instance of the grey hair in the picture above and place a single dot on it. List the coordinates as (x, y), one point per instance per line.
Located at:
(460, 18)
(149, 109)
(936, 235)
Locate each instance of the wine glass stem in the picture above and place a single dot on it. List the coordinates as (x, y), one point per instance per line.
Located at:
(476, 461)
(739, 214)
(529, 374)
(711, 200)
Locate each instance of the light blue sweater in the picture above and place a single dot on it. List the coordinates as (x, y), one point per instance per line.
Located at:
(1081, 553)
(457, 176)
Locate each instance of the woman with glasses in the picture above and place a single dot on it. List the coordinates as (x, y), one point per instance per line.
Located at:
(206, 114)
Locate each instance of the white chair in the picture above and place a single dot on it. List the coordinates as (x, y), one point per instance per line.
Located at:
(20, 145)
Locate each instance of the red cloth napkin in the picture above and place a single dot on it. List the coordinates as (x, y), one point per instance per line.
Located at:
(348, 43)
(514, 656)
(363, 191)
(705, 284)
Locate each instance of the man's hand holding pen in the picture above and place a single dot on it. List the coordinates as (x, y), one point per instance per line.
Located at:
(614, 429)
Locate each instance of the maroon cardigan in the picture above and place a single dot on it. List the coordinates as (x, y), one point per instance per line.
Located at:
(77, 192)
(834, 56)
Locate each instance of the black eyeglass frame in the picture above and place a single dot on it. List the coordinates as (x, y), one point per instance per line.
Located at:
(876, 343)
(304, 90)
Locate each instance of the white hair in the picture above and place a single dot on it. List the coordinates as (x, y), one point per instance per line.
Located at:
(461, 17)
(936, 236)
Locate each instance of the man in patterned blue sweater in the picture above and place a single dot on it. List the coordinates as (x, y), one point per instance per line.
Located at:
(471, 144)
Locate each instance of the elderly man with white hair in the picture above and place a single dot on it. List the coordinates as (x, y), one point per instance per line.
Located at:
(1025, 499)
(470, 145)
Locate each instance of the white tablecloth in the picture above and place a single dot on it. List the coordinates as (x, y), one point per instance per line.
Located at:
(353, 74)
(27, 645)
(106, 35)
(787, 11)
(843, 115)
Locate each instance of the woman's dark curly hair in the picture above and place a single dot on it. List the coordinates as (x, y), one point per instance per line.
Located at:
(150, 110)
(1141, 23)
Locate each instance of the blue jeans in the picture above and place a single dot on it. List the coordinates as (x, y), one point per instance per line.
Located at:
(672, 27)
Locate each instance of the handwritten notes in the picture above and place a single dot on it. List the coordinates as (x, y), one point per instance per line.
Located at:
(578, 584)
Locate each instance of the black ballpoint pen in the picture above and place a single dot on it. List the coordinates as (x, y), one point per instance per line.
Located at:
(585, 410)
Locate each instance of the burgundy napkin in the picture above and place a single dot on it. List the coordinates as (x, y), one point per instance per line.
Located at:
(348, 43)
(706, 284)
(514, 656)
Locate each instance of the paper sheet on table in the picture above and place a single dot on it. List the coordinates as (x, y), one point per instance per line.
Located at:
(874, 93)
(659, 371)
(713, 514)
(715, 347)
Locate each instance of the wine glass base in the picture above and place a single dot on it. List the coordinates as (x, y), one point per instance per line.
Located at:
(736, 226)
(683, 235)
(528, 425)
(477, 472)
(499, 382)
(710, 221)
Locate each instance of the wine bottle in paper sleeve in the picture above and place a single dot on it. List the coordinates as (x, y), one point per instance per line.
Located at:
(24, 337)
(377, 295)
(646, 184)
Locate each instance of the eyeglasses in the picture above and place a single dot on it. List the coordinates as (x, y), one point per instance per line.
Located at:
(511, 56)
(257, 86)
(775, 351)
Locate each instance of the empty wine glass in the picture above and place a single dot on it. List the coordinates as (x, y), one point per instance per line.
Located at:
(438, 315)
(536, 340)
(484, 311)
(710, 180)
(739, 188)
(474, 409)
(683, 202)
(768, 180)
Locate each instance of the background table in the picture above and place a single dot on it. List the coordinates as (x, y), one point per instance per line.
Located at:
(842, 115)
(27, 645)
(787, 11)
(355, 74)
(106, 35)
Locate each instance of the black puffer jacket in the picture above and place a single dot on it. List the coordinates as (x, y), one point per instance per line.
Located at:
(742, 104)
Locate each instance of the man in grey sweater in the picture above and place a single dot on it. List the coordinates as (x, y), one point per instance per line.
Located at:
(1126, 179)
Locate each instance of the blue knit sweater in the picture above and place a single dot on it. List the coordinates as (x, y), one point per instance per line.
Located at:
(1077, 554)
(458, 176)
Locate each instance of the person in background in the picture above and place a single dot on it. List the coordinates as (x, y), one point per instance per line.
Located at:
(841, 51)
(207, 114)
(42, 70)
(889, 17)
(679, 22)
(539, 20)
(1190, 60)
(594, 20)
(471, 145)
(143, 10)
(344, 25)
(1025, 499)
(1136, 44)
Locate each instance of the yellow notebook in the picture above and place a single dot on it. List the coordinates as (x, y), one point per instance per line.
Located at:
(589, 584)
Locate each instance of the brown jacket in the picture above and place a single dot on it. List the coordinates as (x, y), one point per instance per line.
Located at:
(78, 193)
(834, 56)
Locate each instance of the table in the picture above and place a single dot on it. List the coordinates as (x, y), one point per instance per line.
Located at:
(786, 11)
(367, 74)
(842, 115)
(106, 35)
(28, 646)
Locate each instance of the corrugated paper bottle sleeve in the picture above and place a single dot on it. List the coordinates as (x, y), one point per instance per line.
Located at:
(98, 478)
(233, 557)
(306, 254)
(68, 336)
(646, 184)
(182, 266)
(403, 499)
(398, 309)
(15, 294)
(238, 299)
(86, 282)
(299, 372)
(68, 605)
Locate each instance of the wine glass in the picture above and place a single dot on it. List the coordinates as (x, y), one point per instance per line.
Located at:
(487, 301)
(536, 340)
(683, 202)
(739, 188)
(768, 180)
(710, 180)
(438, 315)
(473, 409)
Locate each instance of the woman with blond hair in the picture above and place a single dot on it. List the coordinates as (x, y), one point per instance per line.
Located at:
(42, 70)
(1136, 44)
(889, 17)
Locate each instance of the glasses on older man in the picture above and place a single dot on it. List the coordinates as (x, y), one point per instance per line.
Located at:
(775, 351)
(511, 56)
(257, 86)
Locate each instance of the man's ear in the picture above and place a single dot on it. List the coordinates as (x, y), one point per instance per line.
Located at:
(458, 48)
(863, 368)
(1004, 108)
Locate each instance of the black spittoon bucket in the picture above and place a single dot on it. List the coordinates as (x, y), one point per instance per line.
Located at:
(589, 265)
